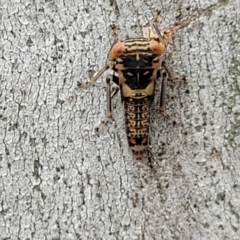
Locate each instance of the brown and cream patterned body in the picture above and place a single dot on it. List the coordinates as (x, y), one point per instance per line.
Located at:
(136, 67)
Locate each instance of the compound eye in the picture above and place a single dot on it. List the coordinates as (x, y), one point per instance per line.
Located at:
(157, 47)
(116, 50)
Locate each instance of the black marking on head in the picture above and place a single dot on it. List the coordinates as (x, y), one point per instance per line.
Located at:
(137, 78)
(145, 61)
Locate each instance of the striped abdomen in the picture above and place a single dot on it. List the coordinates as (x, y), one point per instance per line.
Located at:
(137, 114)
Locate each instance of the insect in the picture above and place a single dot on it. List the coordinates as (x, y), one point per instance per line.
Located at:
(137, 64)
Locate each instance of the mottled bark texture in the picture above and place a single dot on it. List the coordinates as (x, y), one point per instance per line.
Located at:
(59, 180)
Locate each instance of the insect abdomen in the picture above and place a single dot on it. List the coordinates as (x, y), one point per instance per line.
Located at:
(137, 113)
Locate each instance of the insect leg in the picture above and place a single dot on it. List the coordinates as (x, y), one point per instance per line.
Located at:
(170, 74)
(162, 99)
(109, 94)
(154, 24)
(94, 79)
(165, 36)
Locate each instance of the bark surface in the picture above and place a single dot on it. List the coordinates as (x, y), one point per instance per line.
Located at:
(60, 180)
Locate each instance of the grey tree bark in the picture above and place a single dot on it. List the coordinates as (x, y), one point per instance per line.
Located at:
(59, 180)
